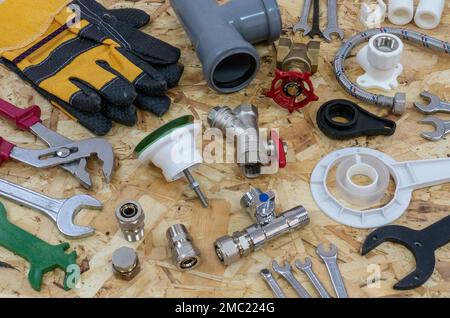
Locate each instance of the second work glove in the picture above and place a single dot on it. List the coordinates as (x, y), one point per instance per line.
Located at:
(91, 62)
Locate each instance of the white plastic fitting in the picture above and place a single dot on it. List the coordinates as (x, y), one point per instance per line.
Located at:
(400, 12)
(370, 167)
(174, 152)
(429, 13)
(381, 59)
(372, 15)
(408, 176)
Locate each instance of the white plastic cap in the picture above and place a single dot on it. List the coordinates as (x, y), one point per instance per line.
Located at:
(400, 12)
(429, 13)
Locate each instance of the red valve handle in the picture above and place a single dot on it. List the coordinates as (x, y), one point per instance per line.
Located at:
(279, 148)
(5, 150)
(22, 118)
(278, 90)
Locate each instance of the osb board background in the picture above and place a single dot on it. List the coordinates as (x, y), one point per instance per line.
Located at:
(166, 204)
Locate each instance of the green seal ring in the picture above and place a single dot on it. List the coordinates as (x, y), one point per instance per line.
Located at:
(163, 131)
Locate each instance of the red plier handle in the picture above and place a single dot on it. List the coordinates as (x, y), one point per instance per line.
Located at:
(22, 118)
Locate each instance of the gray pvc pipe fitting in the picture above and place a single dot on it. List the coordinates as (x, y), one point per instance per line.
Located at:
(223, 36)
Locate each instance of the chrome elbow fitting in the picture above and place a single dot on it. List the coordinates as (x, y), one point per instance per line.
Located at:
(185, 255)
(130, 216)
(231, 248)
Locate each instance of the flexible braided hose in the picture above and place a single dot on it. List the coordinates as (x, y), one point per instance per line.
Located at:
(397, 103)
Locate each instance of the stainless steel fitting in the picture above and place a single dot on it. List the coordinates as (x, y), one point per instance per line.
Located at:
(242, 122)
(184, 253)
(125, 263)
(232, 248)
(131, 220)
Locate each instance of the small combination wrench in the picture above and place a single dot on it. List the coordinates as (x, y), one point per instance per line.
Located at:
(333, 26)
(306, 268)
(435, 105)
(61, 211)
(272, 283)
(330, 260)
(315, 31)
(286, 272)
(303, 24)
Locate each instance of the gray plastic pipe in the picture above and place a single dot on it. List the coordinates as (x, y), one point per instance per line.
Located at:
(223, 36)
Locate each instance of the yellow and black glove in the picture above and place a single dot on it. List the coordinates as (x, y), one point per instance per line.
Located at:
(92, 62)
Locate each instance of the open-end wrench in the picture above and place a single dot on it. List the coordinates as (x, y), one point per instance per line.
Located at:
(315, 31)
(306, 268)
(435, 104)
(61, 211)
(304, 15)
(333, 25)
(69, 154)
(330, 260)
(286, 272)
(442, 128)
(272, 283)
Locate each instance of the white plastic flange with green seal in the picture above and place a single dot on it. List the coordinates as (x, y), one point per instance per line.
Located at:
(172, 148)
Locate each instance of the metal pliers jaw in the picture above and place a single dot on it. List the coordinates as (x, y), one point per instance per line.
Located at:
(64, 152)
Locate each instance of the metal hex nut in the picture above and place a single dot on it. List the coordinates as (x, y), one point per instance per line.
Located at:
(125, 263)
(227, 250)
(130, 216)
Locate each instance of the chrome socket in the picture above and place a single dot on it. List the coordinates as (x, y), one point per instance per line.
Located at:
(131, 220)
(185, 255)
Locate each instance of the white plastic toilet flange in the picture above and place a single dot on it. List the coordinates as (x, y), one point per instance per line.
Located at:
(408, 176)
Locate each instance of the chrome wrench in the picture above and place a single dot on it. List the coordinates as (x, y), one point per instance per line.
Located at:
(442, 128)
(272, 283)
(330, 260)
(306, 268)
(333, 25)
(303, 23)
(435, 104)
(286, 272)
(61, 211)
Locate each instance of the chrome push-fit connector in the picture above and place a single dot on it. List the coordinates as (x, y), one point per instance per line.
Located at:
(131, 220)
(231, 248)
(184, 253)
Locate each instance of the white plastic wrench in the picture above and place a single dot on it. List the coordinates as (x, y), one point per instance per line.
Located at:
(408, 176)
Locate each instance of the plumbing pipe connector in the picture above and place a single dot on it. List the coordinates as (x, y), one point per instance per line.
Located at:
(372, 15)
(381, 61)
(223, 37)
(400, 12)
(429, 13)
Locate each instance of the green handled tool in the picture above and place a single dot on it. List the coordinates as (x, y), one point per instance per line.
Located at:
(42, 256)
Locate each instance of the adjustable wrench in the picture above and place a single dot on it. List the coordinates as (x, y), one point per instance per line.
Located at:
(272, 283)
(330, 260)
(303, 23)
(316, 21)
(435, 104)
(64, 152)
(306, 268)
(333, 25)
(61, 211)
(442, 128)
(286, 272)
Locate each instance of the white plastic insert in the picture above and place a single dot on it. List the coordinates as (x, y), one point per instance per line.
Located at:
(429, 13)
(381, 59)
(400, 12)
(370, 167)
(372, 15)
(408, 176)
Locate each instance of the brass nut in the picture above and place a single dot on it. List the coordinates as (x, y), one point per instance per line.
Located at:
(131, 220)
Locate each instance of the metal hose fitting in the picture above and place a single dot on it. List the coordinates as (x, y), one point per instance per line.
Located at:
(231, 248)
(184, 253)
(125, 263)
(131, 220)
(397, 103)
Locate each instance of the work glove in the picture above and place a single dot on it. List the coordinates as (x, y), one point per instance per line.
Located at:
(96, 69)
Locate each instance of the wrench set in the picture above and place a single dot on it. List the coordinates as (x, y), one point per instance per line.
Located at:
(293, 89)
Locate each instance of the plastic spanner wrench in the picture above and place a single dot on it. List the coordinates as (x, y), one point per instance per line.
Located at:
(60, 211)
(64, 152)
